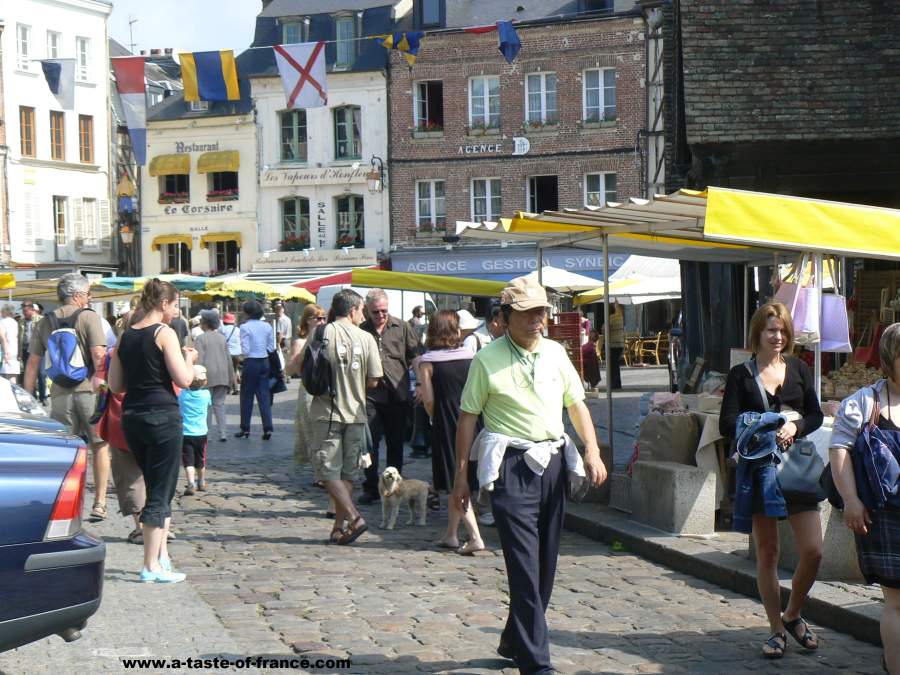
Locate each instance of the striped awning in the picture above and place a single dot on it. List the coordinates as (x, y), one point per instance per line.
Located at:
(208, 239)
(224, 160)
(170, 165)
(164, 239)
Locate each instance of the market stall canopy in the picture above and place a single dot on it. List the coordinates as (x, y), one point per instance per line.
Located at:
(208, 239)
(718, 225)
(214, 162)
(164, 239)
(429, 283)
(335, 279)
(170, 165)
(7, 281)
(563, 280)
(639, 280)
(246, 288)
(183, 282)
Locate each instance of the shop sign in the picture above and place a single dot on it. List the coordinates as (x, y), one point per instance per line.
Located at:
(521, 146)
(188, 210)
(300, 177)
(354, 257)
(501, 262)
(181, 147)
(321, 223)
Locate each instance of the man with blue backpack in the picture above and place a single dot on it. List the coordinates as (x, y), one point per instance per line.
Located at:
(71, 342)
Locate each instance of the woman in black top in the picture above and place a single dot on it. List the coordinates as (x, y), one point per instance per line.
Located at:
(147, 362)
(788, 384)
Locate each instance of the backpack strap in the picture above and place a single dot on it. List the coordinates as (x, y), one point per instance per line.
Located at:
(876, 409)
(750, 364)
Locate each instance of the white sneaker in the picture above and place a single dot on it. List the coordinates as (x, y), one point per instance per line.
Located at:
(162, 577)
(486, 518)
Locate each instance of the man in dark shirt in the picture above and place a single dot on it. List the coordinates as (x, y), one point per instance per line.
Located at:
(179, 325)
(388, 404)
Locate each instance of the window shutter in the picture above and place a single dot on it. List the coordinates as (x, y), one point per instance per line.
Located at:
(29, 218)
(78, 218)
(105, 226)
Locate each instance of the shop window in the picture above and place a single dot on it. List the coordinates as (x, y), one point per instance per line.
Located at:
(176, 259)
(347, 134)
(26, 131)
(431, 210)
(543, 194)
(293, 136)
(222, 186)
(86, 139)
(428, 107)
(599, 95)
(599, 188)
(57, 135)
(60, 221)
(345, 36)
(224, 256)
(174, 189)
(294, 224)
(351, 228)
(485, 199)
(540, 99)
(484, 103)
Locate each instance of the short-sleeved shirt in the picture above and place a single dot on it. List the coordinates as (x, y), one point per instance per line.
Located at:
(88, 329)
(354, 358)
(283, 327)
(520, 393)
(194, 404)
(232, 335)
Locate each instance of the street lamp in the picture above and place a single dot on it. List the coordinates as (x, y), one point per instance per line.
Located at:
(376, 176)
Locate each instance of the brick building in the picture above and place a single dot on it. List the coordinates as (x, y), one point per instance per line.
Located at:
(473, 138)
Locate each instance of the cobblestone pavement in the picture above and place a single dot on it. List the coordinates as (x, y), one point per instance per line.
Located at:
(261, 580)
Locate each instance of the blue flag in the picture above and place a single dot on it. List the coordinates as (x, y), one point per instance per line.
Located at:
(509, 40)
(60, 76)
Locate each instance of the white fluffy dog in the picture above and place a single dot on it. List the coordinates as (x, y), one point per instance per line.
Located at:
(395, 490)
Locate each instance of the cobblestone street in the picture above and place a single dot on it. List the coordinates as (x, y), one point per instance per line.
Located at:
(261, 580)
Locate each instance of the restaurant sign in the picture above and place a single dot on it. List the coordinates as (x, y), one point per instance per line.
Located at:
(352, 257)
(300, 177)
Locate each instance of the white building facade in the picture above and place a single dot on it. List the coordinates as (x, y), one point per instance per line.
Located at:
(199, 189)
(58, 166)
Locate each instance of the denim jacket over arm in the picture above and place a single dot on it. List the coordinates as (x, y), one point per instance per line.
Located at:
(757, 453)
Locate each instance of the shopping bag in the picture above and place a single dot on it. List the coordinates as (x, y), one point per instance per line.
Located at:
(835, 322)
(802, 302)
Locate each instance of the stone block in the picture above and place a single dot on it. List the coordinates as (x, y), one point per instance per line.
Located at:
(674, 498)
(838, 547)
(620, 491)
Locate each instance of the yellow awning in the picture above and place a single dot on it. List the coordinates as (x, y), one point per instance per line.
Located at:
(7, 281)
(208, 239)
(429, 283)
(170, 165)
(224, 160)
(163, 239)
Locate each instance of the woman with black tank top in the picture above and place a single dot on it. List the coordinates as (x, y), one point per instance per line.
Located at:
(148, 361)
(789, 386)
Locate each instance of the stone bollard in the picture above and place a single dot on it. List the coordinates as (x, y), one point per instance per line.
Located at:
(674, 498)
(838, 547)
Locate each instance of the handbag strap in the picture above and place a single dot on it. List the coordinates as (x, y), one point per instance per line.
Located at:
(754, 371)
(876, 409)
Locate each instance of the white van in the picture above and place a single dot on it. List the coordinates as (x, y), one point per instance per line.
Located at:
(400, 303)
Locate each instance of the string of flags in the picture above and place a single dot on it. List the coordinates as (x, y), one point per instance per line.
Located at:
(213, 76)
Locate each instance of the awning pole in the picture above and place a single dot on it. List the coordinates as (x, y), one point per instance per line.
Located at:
(606, 347)
(745, 320)
(817, 262)
(540, 263)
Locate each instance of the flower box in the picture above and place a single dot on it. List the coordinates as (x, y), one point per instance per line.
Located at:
(293, 243)
(479, 129)
(174, 198)
(222, 196)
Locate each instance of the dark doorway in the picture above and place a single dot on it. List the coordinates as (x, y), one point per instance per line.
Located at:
(543, 194)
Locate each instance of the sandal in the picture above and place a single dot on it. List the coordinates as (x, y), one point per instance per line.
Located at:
(98, 512)
(335, 536)
(805, 639)
(136, 536)
(353, 532)
(434, 501)
(469, 549)
(443, 543)
(776, 644)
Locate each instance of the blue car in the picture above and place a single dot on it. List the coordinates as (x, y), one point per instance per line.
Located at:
(51, 570)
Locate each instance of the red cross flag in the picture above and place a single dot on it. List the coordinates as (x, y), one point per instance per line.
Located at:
(302, 70)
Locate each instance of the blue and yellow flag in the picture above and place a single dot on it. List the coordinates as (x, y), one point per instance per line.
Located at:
(209, 76)
(407, 43)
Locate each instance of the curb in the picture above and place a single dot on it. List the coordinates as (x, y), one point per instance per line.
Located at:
(827, 605)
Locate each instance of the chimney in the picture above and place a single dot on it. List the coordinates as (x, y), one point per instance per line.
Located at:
(155, 52)
(143, 52)
(168, 51)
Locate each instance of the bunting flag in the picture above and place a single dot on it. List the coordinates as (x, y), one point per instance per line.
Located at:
(509, 40)
(129, 72)
(209, 76)
(302, 70)
(407, 43)
(60, 75)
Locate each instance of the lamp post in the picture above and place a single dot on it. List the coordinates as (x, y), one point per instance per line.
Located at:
(127, 240)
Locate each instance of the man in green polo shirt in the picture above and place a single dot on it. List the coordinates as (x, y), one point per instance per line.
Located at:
(519, 384)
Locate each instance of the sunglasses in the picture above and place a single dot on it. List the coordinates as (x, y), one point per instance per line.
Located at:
(319, 318)
(378, 311)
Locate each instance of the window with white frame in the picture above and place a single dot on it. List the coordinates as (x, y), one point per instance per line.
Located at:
(54, 43)
(294, 224)
(484, 102)
(176, 259)
(431, 210)
(540, 99)
(292, 32)
(23, 47)
(199, 106)
(347, 132)
(428, 105)
(82, 58)
(60, 221)
(485, 199)
(224, 256)
(599, 188)
(345, 36)
(599, 95)
(293, 136)
(351, 222)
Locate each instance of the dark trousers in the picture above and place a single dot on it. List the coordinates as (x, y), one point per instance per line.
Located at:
(255, 383)
(193, 452)
(529, 511)
(387, 420)
(615, 358)
(154, 438)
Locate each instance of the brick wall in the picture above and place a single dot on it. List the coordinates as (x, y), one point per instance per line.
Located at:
(569, 150)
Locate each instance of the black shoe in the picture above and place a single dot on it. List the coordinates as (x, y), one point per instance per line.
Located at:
(242, 434)
(506, 651)
(369, 498)
(267, 435)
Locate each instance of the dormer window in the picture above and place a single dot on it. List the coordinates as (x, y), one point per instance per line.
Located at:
(293, 31)
(430, 13)
(345, 34)
(597, 5)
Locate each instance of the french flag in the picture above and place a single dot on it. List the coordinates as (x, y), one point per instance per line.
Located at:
(129, 72)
